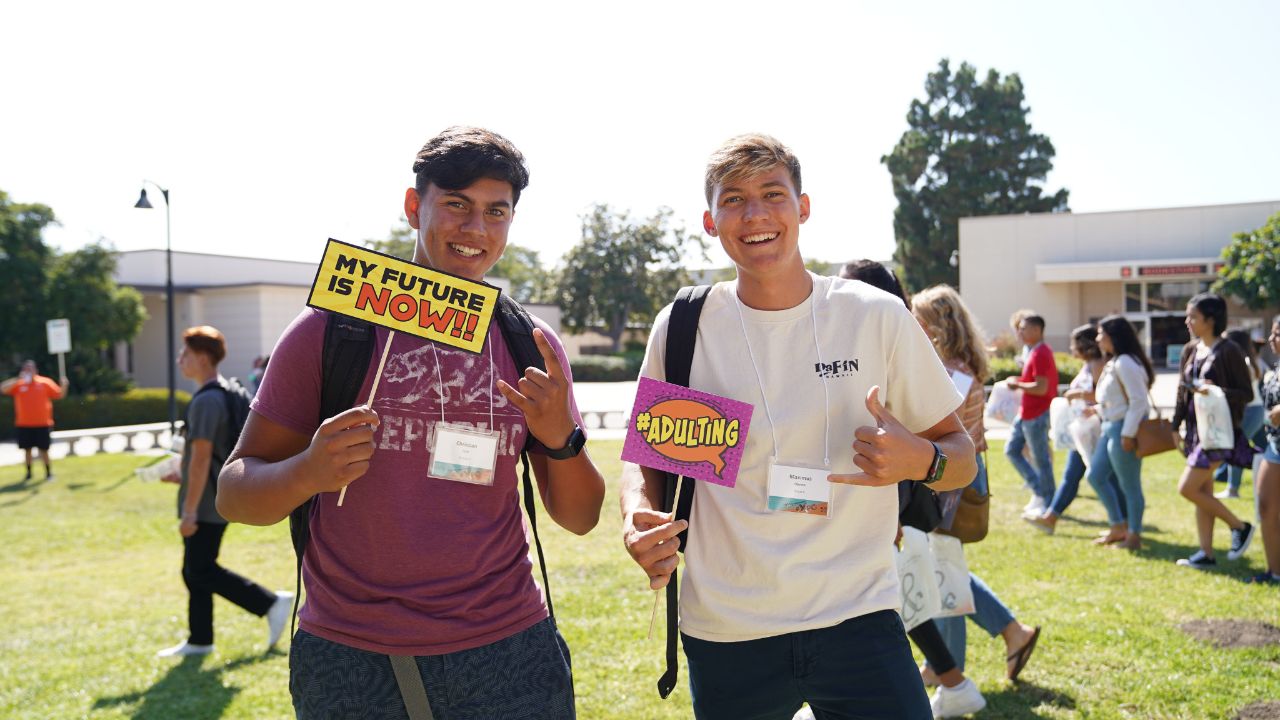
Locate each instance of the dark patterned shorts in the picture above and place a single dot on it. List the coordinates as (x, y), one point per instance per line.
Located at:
(524, 677)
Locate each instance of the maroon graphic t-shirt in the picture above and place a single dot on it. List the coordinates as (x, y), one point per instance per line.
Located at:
(411, 565)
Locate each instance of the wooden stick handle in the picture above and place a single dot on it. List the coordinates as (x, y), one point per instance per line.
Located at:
(373, 391)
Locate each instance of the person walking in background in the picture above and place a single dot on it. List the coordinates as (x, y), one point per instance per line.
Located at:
(1250, 423)
(950, 327)
(956, 695)
(1266, 484)
(1122, 396)
(209, 440)
(33, 395)
(1084, 346)
(1210, 360)
(1039, 385)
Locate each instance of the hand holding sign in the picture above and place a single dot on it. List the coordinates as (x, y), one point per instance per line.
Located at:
(887, 453)
(650, 537)
(543, 397)
(340, 450)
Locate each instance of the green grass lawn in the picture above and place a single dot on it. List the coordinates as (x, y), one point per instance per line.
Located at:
(91, 589)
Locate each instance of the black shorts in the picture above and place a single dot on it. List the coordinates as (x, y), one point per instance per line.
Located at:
(29, 437)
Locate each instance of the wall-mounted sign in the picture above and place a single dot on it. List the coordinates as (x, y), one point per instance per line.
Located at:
(1158, 270)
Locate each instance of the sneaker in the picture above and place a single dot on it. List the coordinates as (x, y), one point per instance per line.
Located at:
(805, 713)
(1035, 508)
(184, 649)
(1240, 540)
(48, 477)
(1264, 578)
(1199, 561)
(956, 701)
(278, 617)
(1227, 494)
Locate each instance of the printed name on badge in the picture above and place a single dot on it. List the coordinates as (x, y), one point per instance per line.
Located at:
(687, 432)
(404, 297)
(798, 489)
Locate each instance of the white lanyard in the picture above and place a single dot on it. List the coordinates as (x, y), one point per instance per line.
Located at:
(826, 433)
(440, 382)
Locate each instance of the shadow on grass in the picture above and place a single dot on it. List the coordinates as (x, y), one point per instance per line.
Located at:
(28, 487)
(1020, 700)
(187, 690)
(123, 479)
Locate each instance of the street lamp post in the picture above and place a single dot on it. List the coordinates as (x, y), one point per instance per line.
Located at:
(168, 299)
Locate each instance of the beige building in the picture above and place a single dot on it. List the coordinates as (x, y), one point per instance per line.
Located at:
(251, 300)
(1078, 267)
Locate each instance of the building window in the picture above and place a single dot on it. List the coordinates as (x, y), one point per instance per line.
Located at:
(1173, 296)
(1132, 297)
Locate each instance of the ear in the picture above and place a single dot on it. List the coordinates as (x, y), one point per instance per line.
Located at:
(804, 207)
(411, 204)
(709, 224)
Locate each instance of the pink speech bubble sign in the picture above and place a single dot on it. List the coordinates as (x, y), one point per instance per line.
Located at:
(687, 432)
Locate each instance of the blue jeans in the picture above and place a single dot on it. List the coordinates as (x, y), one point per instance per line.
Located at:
(525, 675)
(860, 668)
(1111, 457)
(1034, 434)
(1071, 476)
(988, 612)
(1251, 426)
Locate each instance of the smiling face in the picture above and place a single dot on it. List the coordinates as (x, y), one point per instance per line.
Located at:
(757, 220)
(462, 232)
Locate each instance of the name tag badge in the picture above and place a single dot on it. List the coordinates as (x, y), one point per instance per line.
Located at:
(798, 489)
(463, 454)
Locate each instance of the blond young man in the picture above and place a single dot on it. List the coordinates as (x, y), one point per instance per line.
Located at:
(780, 608)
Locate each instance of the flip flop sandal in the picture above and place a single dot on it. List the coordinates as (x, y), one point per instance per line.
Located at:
(1020, 656)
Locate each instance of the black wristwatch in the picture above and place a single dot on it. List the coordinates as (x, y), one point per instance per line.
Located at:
(938, 467)
(571, 448)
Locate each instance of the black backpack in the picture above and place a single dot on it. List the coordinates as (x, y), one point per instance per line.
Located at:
(682, 336)
(237, 400)
(348, 348)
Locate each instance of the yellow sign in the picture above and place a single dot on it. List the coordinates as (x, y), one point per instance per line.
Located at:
(405, 297)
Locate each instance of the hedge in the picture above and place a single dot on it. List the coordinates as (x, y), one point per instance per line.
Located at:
(1068, 368)
(605, 368)
(77, 412)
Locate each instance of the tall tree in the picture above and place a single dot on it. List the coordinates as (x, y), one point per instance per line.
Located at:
(623, 270)
(41, 285)
(24, 259)
(1251, 268)
(968, 150)
(520, 265)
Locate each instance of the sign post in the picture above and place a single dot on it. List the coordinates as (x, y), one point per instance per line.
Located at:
(58, 333)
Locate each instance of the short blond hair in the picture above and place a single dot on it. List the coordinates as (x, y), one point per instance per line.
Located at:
(947, 320)
(747, 156)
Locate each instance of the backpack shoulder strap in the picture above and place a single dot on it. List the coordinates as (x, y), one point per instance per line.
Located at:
(682, 336)
(348, 347)
(517, 330)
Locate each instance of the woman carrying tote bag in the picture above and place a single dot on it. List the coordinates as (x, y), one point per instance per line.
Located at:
(1210, 360)
(1122, 406)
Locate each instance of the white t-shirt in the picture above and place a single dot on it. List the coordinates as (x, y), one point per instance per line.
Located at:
(751, 572)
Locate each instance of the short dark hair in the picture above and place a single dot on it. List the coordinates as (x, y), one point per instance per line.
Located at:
(1085, 338)
(207, 340)
(875, 275)
(1034, 319)
(460, 155)
(1213, 307)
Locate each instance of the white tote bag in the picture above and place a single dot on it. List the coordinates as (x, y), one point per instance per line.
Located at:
(1213, 419)
(955, 594)
(1060, 415)
(917, 574)
(1003, 403)
(1086, 432)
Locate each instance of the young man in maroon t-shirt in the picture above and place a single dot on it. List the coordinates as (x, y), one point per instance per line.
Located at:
(1039, 385)
(422, 561)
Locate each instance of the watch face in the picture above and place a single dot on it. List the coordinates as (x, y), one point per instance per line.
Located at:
(941, 462)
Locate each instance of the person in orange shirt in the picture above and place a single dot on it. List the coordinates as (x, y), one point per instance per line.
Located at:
(33, 395)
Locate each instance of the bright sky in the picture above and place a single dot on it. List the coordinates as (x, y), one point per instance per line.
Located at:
(276, 125)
